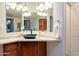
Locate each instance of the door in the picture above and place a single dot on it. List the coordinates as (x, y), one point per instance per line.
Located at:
(68, 29)
(75, 30)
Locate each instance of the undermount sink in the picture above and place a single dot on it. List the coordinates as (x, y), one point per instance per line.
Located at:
(29, 36)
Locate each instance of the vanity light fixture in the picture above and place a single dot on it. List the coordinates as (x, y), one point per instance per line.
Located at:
(25, 9)
(13, 5)
(48, 5)
(7, 7)
(39, 13)
(42, 13)
(42, 8)
(19, 7)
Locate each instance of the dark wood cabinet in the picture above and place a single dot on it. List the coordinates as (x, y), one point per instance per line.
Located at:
(10, 49)
(33, 49)
(25, 49)
(40, 49)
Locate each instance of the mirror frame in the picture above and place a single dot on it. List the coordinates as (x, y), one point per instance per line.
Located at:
(56, 24)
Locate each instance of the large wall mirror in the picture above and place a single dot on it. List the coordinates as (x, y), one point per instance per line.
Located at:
(25, 16)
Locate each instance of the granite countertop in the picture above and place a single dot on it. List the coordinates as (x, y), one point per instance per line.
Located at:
(19, 39)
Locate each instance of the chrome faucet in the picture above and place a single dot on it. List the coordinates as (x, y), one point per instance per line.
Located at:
(31, 31)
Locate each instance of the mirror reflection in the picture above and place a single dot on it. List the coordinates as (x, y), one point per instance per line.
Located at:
(37, 16)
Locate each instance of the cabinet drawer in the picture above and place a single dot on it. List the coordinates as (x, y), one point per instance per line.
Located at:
(9, 47)
(11, 53)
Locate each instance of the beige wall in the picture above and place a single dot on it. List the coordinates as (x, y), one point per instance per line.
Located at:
(58, 48)
(2, 23)
(2, 19)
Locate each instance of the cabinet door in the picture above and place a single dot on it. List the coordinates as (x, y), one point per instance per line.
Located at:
(10, 49)
(11, 53)
(32, 49)
(26, 49)
(40, 49)
(35, 49)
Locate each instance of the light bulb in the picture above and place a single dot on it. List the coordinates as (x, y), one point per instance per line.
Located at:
(13, 5)
(7, 7)
(25, 9)
(44, 14)
(40, 7)
(20, 6)
(39, 13)
(46, 8)
(18, 9)
(48, 5)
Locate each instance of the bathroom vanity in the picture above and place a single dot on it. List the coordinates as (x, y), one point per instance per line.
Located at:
(19, 46)
(25, 49)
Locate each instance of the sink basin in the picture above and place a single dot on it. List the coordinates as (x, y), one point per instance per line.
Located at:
(29, 36)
